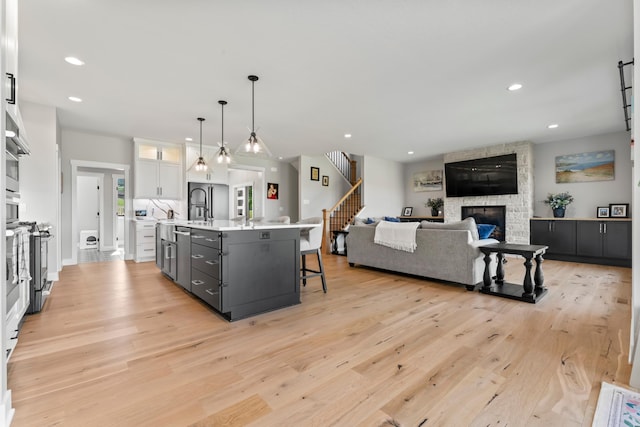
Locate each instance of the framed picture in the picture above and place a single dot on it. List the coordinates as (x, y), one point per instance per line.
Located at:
(272, 191)
(619, 210)
(407, 211)
(428, 180)
(315, 174)
(603, 212)
(585, 167)
(325, 180)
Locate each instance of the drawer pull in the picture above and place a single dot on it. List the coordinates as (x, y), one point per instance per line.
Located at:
(150, 236)
(197, 236)
(197, 256)
(197, 282)
(211, 240)
(210, 292)
(210, 262)
(149, 250)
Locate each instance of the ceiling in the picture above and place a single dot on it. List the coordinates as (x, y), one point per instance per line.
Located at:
(427, 76)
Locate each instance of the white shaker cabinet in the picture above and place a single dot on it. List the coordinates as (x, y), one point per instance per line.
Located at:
(158, 170)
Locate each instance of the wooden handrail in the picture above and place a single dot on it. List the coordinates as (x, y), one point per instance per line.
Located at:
(356, 185)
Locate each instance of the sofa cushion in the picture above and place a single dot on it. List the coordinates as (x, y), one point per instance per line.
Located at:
(485, 230)
(465, 224)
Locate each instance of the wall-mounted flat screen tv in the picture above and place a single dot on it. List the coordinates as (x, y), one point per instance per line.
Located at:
(488, 176)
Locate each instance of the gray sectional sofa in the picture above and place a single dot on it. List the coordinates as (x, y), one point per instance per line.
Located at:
(445, 251)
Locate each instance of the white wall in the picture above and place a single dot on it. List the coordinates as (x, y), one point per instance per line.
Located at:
(39, 175)
(587, 195)
(417, 199)
(314, 197)
(634, 354)
(383, 187)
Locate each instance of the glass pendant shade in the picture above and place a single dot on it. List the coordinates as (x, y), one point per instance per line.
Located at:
(254, 144)
(201, 165)
(223, 154)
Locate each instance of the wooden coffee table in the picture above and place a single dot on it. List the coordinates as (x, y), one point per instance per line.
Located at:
(525, 292)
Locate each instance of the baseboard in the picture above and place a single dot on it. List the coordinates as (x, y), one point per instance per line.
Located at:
(68, 261)
(53, 277)
(6, 411)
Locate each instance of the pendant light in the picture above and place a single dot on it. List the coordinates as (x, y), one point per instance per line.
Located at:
(254, 144)
(201, 166)
(223, 155)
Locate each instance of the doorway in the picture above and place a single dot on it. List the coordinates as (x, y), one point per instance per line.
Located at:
(110, 247)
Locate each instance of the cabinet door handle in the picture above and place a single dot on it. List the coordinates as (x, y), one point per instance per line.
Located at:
(604, 228)
(197, 256)
(12, 98)
(197, 282)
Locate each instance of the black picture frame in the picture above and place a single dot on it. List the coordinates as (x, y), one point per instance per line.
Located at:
(272, 191)
(325, 180)
(602, 212)
(315, 173)
(619, 210)
(407, 211)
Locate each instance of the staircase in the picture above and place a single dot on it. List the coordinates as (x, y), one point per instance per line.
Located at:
(343, 212)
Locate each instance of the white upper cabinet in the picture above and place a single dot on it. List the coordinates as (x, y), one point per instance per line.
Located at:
(216, 173)
(11, 57)
(158, 170)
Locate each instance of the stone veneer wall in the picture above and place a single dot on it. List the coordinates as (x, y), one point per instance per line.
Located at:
(519, 207)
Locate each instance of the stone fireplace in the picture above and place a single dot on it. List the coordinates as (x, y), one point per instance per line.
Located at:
(518, 207)
(493, 215)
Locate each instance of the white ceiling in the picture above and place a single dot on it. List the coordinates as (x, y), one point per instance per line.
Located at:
(423, 75)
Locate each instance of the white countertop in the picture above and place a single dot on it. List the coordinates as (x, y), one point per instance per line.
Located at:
(227, 225)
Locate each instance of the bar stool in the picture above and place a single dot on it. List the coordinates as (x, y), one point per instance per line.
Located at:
(310, 242)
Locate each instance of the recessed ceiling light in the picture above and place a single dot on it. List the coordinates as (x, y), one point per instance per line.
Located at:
(552, 126)
(74, 61)
(75, 99)
(410, 153)
(280, 158)
(515, 86)
(347, 135)
(188, 139)
(9, 133)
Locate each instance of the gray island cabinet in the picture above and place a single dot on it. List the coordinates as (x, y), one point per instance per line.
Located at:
(243, 271)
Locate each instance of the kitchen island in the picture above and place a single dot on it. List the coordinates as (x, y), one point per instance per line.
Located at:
(239, 270)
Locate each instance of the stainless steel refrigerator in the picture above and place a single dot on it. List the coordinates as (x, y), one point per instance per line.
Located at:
(210, 198)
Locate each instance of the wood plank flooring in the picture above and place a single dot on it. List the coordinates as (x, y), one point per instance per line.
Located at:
(120, 345)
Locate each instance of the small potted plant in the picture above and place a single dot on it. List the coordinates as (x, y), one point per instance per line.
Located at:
(435, 204)
(558, 203)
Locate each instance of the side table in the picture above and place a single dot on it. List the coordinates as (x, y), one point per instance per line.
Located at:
(525, 292)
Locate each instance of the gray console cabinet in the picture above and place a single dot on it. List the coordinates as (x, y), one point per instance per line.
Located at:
(608, 239)
(560, 236)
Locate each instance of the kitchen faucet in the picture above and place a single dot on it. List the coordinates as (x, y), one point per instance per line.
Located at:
(206, 206)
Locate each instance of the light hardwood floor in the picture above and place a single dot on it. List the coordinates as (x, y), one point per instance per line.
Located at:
(119, 345)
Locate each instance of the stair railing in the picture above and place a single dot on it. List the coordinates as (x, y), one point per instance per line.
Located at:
(344, 164)
(341, 214)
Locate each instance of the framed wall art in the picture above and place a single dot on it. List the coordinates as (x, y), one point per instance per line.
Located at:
(603, 212)
(619, 210)
(428, 180)
(585, 167)
(325, 180)
(272, 191)
(407, 211)
(315, 174)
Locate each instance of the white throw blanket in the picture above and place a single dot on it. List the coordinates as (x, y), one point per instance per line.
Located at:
(397, 235)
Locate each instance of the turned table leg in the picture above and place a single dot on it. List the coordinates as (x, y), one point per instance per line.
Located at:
(538, 277)
(500, 268)
(527, 284)
(486, 278)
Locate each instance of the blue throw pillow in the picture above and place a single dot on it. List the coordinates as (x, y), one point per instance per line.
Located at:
(369, 221)
(485, 230)
(391, 219)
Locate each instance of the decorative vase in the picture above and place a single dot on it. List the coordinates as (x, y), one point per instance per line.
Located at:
(559, 212)
(434, 212)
